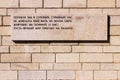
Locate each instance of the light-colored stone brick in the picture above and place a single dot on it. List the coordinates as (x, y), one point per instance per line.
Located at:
(90, 66)
(8, 75)
(25, 48)
(67, 57)
(111, 11)
(9, 3)
(67, 66)
(87, 11)
(4, 49)
(118, 75)
(111, 48)
(118, 3)
(116, 57)
(32, 75)
(55, 48)
(5, 30)
(6, 20)
(4, 66)
(60, 75)
(0, 40)
(74, 3)
(115, 40)
(87, 49)
(101, 3)
(15, 58)
(2, 11)
(43, 57)
(110, 66)
(105, 75)
(89, 57)
(6, 40)
(115, 20)
(30, 3)
(46, 66)
(0, 20)
(52, 3)
(115, 30)
(84, 75)
(24, 66)
(20, 11)
(52, 11)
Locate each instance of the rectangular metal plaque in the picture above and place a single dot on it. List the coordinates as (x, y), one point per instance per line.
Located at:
(59, 27)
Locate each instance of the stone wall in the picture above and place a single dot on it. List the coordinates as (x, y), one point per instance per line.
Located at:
(59, 61)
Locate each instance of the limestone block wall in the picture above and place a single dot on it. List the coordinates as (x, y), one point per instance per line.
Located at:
(59, 61)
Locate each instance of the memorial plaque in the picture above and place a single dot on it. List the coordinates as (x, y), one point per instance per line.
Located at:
(59, 27)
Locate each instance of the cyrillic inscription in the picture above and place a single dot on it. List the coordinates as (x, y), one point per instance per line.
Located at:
(60, 27)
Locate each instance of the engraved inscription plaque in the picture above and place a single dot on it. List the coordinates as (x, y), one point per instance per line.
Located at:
(59, 27)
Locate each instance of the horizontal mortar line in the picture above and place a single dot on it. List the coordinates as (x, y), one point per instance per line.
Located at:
(7, 7)
(114, 15)
(89, 45)
(88, 8)
(60, 7)
(3, 15)
(30, 7)
(20, 8)
(25, 63)
(18, 62)
(103, 70)
(28, 45)
(9, 70)
(32, 70)
(39, 63)
(65, 69)
(96, 53)
(114, 35)
(52, 52)
(96, 62)
(80, 70)
(6, 15)
(102, 7)
(31, 44)
(52, 8)
(115, 25)
(5, 26)
(109, 62)
(63, 8)
(60, 70)
(117, 7)
(5, 35)
(59, 53)
(78, 53)
(56, 62)
(77, 8)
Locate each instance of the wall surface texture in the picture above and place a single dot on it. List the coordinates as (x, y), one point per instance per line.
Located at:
(59, 61)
